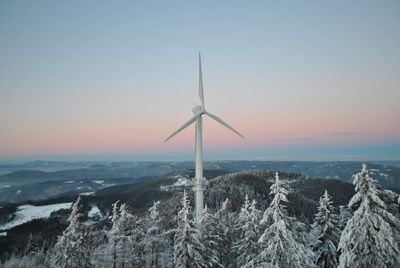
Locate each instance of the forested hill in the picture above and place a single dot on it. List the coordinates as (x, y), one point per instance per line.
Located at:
(304, 192)
(303, 198)
(303, 195)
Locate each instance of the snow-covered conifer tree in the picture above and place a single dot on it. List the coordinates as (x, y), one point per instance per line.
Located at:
(71, 249)
(246, 246)
(344, 216)
(155, 242)
(187, 247)
(34, 259)
(118, 252)
(369, 238)
(137, 234)
(115, 213)
(30, 246)
(103, 255)
(212, 239)
(278, 245)
(326, 233)
(119, 238)
(226, 222)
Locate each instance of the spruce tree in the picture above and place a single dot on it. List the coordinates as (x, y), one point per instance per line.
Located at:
(155, 243)
(212, 239)
(344, 216)
(30, 246)
(71, 249)
(369, 238)
(278, 244)
(246, 246)
(326, 233)
(118, 251)
(226, 222)
(187, 247)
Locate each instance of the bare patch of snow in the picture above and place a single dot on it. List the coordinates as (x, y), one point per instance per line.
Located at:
(181, 181)
(87, 193)
(95, 213)
(26, 213)
(109, 184)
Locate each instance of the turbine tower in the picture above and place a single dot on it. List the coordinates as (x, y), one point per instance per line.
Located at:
(199, 180)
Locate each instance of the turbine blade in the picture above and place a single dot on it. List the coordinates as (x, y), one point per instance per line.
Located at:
(219, 120)
(188, 123)
(201, 93)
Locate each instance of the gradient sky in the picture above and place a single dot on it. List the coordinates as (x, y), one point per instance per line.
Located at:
(302, 80)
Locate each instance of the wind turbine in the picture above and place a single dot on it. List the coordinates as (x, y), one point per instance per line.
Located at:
(199, 111)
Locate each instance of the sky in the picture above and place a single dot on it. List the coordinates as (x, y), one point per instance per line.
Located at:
(301, 80)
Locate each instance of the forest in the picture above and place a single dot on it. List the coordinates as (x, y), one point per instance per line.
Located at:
(278, 229)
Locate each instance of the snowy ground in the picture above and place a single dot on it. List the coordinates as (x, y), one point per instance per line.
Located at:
(27, 213)
(95, 213)
(181, 181)
(87, 193)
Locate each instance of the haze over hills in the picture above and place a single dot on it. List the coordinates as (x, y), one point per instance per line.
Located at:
(40, 180)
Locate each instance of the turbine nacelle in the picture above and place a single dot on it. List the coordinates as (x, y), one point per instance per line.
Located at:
(198, 109)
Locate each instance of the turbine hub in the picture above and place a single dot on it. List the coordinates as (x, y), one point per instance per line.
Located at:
(198, 109)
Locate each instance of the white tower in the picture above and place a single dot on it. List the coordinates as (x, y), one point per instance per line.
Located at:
(199, 180)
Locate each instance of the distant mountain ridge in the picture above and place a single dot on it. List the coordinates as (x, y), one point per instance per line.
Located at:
(128, 172)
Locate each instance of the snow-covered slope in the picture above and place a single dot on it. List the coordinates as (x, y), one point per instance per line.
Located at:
(181, 181)
(26, 213)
